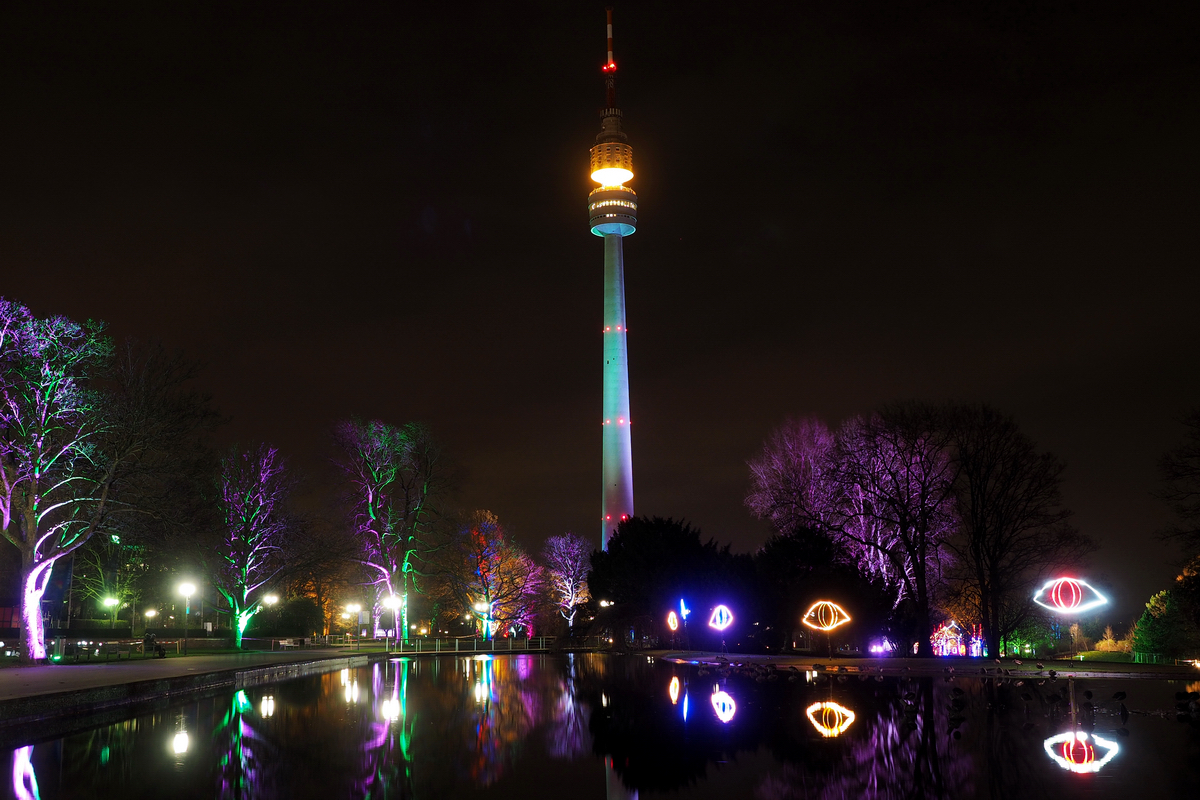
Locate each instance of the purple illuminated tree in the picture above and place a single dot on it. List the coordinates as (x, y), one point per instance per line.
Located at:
(54, 480)
(394, 476)
(250, 548)
(489, 576)
(568, 560)
(883, 489)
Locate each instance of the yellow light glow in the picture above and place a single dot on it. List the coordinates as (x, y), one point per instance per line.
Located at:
(673, 690)
(830, 719)
(825, 616)
(611, 176)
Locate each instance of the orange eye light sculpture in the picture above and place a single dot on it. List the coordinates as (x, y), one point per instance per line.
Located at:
(673, 621)
(825, 616)
(673, 690)
(830, 718)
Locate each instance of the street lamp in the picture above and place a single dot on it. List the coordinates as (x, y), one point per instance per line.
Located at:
(392, 602)
(187, 590)
(111, 602)
(148, 615)
(271, 599)
(485, 608)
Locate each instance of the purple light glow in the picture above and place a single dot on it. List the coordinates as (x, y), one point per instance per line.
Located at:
(24, 780)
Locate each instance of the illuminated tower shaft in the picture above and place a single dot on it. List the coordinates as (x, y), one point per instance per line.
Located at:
(612, 214)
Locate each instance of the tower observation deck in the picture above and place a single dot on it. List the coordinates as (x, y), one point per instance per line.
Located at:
(612, 214)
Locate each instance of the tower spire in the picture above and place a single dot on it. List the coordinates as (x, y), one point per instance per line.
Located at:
(612, 214)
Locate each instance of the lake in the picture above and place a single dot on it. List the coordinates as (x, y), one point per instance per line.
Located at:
(608, 726)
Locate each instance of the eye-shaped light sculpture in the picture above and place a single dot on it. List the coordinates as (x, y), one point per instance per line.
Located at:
(1077, 752)
(672, 621)
(830, 718)
(721, 618)
(673, 690)
(825, 616)
(723, 704)
(1068, 596)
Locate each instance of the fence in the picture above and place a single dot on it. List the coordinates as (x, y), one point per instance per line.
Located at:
(1159, 658)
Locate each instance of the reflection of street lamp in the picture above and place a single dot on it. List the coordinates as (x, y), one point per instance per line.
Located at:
(187, 590)
(111, 602)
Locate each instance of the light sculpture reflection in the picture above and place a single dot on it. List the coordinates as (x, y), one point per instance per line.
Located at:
(1076, 751)
(830, 718)
(1068, 596)
(724, 706)
(24, 781)
(672, 621)
(721, 618)
(824, 615)
(673, 691)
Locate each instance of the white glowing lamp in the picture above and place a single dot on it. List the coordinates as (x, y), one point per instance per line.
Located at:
(611, 176)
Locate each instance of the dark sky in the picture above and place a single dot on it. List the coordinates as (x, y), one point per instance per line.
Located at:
(381, 212)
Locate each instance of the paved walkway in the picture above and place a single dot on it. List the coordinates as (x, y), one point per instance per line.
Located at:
(18, 682)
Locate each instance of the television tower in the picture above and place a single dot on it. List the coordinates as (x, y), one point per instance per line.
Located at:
(612, 214)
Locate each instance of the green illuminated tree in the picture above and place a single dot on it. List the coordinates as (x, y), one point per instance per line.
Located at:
(249, 552)
(394, 476)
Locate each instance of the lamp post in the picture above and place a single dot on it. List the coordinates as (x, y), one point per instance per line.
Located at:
(392, 602)
(148, 615)
(353, 609)
(187, 590)
(111, 602)
(485, 608)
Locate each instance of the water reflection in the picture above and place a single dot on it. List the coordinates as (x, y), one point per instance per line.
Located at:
(458, 727)
(830, 718)
(1076, 752)
(24, 781)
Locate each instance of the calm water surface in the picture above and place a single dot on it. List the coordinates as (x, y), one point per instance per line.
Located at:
(616, 727)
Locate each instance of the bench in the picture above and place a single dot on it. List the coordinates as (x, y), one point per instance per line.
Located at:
(109, 649)
(285, 644)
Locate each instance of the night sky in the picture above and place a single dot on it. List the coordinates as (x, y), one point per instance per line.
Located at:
(382, 213)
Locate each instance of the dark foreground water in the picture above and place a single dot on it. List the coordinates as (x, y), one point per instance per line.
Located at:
(584, 727)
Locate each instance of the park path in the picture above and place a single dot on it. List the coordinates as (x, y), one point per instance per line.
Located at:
(18, 682)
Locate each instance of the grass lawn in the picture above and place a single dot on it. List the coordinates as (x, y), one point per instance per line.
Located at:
(1099, 655)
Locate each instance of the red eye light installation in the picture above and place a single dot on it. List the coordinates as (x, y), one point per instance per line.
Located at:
(1068, 596)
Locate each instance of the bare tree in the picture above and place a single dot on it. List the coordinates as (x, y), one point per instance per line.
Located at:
(1014, 531)
(249, 549)
(1180, 471)
(568, 559)
(489, 576)
(881, 488)
(83, 437)
(394, 476)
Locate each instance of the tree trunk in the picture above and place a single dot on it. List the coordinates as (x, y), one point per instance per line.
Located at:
(34, 579)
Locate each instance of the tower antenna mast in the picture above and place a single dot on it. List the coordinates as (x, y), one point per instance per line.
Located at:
(612, 214)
